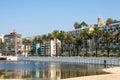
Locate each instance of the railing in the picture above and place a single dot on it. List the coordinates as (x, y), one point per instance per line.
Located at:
(93, 60)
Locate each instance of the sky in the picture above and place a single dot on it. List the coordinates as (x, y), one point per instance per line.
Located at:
(38, 17)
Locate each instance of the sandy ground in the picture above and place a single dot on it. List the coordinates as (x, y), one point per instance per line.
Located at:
(115, 75)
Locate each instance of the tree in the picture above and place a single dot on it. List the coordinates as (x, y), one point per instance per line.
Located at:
(69, 40)
(108, 38)
(1, 45)
(79, 25)
(76, 25)
(40, 41)
(49, 38)
(26, 42)
(97, 33)
(61, 37)
(86, 36)
(109, 21)
(44, 38)
(55, 34)
(78, 43)
(117, 36)
(35, 41)
(83, 24)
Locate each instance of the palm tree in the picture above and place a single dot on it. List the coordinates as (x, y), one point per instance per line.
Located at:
(76, 25)
(108, 38)
(78, 43)
(44, 39)
(69, 40)
(39, 40)
(49, 38)
(35, 41)
(1, 45)
(109, 20)
(97, 33)
(62, 38)
(55, 34)
(26, 43)
(83, 24)
(86, 36)
(117, 36)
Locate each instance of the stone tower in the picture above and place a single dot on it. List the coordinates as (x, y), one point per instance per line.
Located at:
(100, 22)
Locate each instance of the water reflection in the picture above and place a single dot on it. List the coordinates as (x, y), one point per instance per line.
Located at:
(46, 70)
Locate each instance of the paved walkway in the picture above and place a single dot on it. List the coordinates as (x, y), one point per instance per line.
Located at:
(115, 75)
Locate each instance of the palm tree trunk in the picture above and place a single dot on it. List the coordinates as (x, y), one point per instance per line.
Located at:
(77, 50)
(69, 50)
(86, 47)
(108, 49)
(61, 46)
(56, 47)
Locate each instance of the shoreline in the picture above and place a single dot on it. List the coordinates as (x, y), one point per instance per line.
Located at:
(114, 75)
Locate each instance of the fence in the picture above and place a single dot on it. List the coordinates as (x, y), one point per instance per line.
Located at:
(93, 60)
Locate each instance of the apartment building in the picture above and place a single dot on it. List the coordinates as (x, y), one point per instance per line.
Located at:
(114, 46)
(12, 43)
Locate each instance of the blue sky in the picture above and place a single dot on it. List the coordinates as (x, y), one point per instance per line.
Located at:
(37, 17)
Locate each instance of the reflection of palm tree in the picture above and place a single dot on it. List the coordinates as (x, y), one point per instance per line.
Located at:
(55, 34)
(96, 35)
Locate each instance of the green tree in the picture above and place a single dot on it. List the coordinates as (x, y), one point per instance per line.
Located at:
(117, 36)
(44, 38)
(69, 40)
(62, 38)
(109, 21)
(35, 41)
(1, 45)
(86, 36)
(26, 42)
(78, 43)
(76, 25)
(97, 33)
(108, 38)
(40, 41)
(55, 34)
(84, 24)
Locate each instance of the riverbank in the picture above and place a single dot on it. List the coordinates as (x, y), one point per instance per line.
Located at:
(115, 75)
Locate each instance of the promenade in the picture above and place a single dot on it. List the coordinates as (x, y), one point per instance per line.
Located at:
(115, 75)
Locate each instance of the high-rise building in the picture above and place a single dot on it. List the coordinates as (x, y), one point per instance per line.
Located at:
(12, 43)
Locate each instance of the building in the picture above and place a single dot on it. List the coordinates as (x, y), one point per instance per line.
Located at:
(12, 43)
(114, 46)
(100, 22)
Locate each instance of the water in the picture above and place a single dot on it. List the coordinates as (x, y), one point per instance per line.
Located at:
(31, 70)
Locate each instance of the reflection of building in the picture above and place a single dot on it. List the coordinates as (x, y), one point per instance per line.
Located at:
(12, 43)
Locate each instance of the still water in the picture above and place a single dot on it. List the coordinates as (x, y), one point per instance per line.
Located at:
(31, 70)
